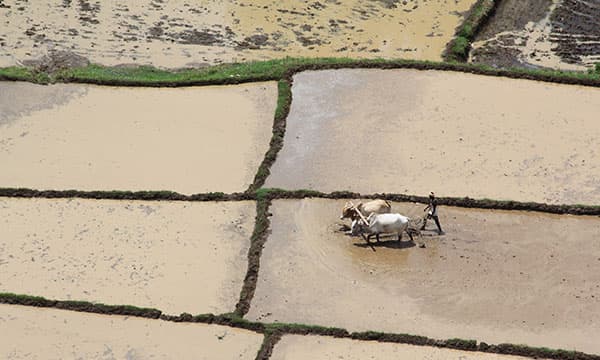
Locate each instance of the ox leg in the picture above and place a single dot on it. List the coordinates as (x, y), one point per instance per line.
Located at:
(377, 237)
(410, 235)
(368, 238)
(400, 236)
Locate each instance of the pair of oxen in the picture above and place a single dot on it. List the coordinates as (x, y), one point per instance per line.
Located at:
(375, 218)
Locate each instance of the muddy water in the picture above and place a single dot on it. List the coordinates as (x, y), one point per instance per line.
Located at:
(410, 131)
(496, 276)
(173, 256)
(188, 140)
(57, 334)
(560, 34)
(296, 347)
(185, 33)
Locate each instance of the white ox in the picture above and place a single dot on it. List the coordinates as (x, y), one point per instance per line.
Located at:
(384, 224)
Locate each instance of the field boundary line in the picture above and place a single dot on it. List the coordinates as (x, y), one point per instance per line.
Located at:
(258, 239)
(281, 329)
(277, 194)
(275, 70)
(266, 349)
(284, 102)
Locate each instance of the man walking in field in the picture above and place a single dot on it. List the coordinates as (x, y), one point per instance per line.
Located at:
(432, 214)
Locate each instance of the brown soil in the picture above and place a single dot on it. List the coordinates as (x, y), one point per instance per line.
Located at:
(56, 334)
(184, 33)
(497, 276)
(57, 60)
(410, 131)
(292, 347)
(562, 34)
(173, 256)
(107, 138)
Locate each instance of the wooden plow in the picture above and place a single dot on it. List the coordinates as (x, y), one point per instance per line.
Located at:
(362, 217)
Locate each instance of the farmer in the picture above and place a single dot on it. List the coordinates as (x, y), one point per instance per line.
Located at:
(432, 214)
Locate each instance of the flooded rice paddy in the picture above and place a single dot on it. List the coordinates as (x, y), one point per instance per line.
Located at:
(297, 347)
(411, 131)
(497, 276)
(180, 33)
(173, 256)
(38, 333)
(188, 140)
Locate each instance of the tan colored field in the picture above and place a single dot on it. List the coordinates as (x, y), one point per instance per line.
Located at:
(188, 140)
(186, 33)
(497, 276)
(297, 347)
(173, 256)
(410, 131)
(56, 334)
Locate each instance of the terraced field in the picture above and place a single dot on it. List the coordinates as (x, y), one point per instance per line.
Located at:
(312, 347)
(503, 276)
(409, 131)
(124, 143)
(55, 334)
(127, 252)
(562, 34)
(148, 213)
(184, 33)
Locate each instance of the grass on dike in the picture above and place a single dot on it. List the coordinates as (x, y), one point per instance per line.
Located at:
(251, 71)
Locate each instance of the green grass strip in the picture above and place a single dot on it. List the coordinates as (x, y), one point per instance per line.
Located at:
(459, 47)
(150, 76)
(281, 69)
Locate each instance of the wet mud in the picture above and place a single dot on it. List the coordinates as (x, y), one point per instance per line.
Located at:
(412, 132)
(181, 33)
(559, 34)
(295, 347)
(84, 137)
(57, 334)
(173, 256)
(496, 276)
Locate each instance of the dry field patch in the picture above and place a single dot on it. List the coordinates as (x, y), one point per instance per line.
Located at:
(497, 276)
(173, 256)
(189, 140)
(411, 131)
(38, 333)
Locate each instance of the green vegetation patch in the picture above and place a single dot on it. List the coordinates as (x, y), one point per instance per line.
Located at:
(458, 49)
(282, 69)
(18, 73)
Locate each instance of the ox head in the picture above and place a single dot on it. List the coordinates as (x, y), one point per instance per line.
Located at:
(347, 211)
